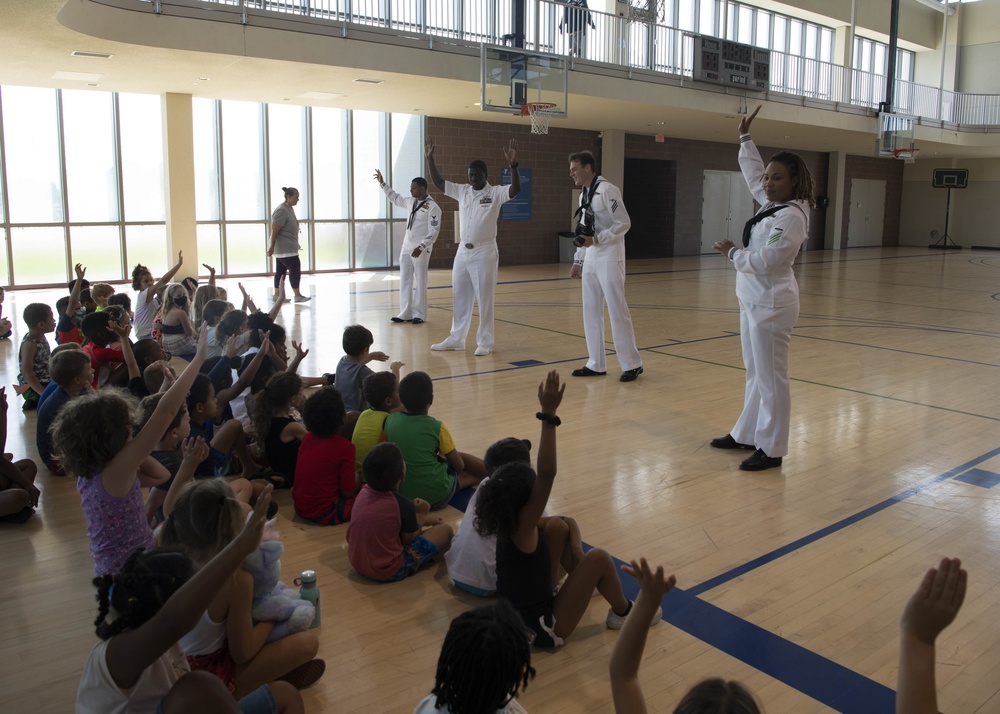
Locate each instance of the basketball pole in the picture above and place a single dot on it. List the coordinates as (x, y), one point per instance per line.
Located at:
(942, 242)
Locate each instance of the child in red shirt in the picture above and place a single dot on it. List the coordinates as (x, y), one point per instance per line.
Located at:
(325, 484)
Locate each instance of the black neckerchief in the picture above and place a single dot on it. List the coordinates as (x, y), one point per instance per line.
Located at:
(767, 213)
(588, 196)
(417, 205)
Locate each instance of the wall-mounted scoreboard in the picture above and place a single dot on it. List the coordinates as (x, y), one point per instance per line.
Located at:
(730, 63)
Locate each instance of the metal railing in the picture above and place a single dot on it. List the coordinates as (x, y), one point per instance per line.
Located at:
(613, 40)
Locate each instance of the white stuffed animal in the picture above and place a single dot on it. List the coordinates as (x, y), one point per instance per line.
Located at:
(273, 601)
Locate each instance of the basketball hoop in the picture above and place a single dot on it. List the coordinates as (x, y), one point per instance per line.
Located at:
(541, 113)
(908, 156)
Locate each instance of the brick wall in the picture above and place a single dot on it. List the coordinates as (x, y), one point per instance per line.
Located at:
(520, 242)
(880, 169)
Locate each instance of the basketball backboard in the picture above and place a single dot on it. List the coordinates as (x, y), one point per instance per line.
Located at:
(895, 131)
(512, 77)
(950, 178)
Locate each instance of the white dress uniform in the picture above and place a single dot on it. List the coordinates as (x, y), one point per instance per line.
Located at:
(422, 228)
(474, 274)
(603, 280)
(769, 308)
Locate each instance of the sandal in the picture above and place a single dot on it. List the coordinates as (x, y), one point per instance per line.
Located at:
(305, 675)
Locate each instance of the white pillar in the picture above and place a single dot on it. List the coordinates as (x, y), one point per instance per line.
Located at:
(613, 156)
(836, 191)
(178, 182)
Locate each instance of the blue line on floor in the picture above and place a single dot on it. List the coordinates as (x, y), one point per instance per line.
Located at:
(831, 529)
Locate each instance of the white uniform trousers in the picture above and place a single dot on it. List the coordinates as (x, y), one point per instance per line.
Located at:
(474, 277)
(604, 282)
(766, 334)
(413, 285)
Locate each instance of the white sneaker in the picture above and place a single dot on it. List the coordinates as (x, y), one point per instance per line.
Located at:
(615, 621)
(483, 351)
(445, 346)
(303, 298)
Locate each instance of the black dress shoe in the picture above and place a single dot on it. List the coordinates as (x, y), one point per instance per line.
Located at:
(760, 461)
(587, 372)
(728, 442)
(630, 375)
(397, 319)
(417, 321)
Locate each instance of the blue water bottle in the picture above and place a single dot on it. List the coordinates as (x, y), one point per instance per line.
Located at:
(309, 590)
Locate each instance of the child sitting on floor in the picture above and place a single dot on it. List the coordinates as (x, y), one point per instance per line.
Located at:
(352, 368)
(510, 507)
(274, 426)
(382, 395)
(72, 372)
(485, 660)
(138, 666)
(34, 354)
(325, 482)
(18, 493)
(226, 641)
(93, 441)
(147, 305)
(384, 538)
(435, 469)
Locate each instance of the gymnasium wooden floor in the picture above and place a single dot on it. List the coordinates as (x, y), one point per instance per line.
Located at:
(791, 581)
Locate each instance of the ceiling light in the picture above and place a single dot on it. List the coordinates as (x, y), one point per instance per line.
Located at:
(77, 76)
(94, 55)
(360, 80)
(204, 79)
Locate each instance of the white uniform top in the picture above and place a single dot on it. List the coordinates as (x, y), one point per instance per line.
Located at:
(611, 223)
(478, 211)
(98, 693)
(426, 221)
(764, 268)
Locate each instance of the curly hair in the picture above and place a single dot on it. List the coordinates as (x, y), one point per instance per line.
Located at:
(323, 412)
(205, 520)
(416, 392)
(137, 272)
(378, 387)
(91, 429)
(718, 695)
(498, 508)
(146, 581)
(485, 660)
(797, 169)
(277, 394)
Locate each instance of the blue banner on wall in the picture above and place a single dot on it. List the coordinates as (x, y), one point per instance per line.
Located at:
(518, 208)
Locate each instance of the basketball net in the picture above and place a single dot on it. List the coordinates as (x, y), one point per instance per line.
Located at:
(908, 156)
(541, 114)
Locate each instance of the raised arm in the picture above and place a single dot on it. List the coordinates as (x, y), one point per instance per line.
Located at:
(751, 164)
(930, 609)
(211, 273)
(510, 153)
(74, 296)
(436, 178)
(123, 332)
(167, 277)
(626, 692)
(132, 652)
(195, 451)
(550, 394)
(119, 474)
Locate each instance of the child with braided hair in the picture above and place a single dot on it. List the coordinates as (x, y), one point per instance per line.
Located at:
(484, 662)
(138, 665)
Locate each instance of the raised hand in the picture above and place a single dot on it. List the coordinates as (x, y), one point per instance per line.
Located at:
(242, 289)
(378, 357)
(80, 271)
(653, 584)
(396, 365)
(746, 120)
(249, 538)
(550, 393)
(510, 152)
(194, 450)
(180, 257)
(300, 351)
(428, 148)
(209, 268)
(936, 602)
(202, 351)
(378, 177)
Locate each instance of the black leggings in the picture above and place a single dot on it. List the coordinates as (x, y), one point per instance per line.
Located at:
(294, 268)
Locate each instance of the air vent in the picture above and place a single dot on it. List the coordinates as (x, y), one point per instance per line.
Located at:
(368, 81)
(94, 55)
